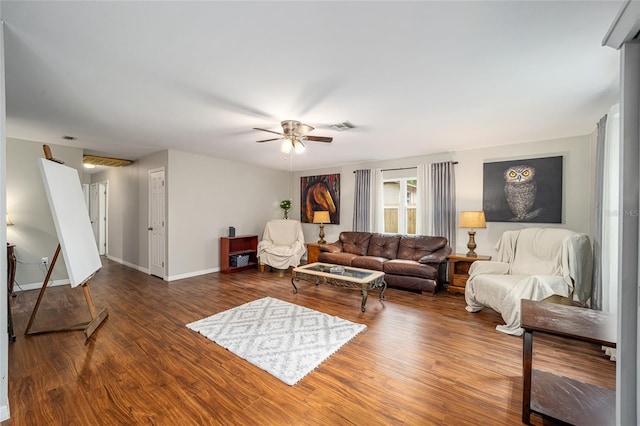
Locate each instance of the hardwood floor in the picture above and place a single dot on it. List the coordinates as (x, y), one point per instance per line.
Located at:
(422, 360)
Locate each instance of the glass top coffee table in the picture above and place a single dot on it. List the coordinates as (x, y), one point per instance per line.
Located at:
(341, 276)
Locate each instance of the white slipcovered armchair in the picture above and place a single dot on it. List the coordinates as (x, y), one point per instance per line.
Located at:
(536, 264)
(282, 244)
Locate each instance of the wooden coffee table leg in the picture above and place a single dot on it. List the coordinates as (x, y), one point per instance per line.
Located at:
(364, 298)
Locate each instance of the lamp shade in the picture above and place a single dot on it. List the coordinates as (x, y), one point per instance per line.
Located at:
(472, 220)
(9, 223)
(321, 217)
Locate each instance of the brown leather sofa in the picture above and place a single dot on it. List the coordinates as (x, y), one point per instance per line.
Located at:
(412, 262)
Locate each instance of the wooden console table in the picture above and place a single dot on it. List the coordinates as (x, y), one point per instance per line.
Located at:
(558, 397)
(11, 277)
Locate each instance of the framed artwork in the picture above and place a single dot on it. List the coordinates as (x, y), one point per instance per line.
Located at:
(528, 190)
(320, 193)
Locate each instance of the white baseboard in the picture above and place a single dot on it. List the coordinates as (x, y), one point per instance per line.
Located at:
(192, 274)
(129, 264)
(4, 412)
(166, 278)
(38, 286)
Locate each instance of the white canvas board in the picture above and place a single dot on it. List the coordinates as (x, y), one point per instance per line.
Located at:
(66, 200)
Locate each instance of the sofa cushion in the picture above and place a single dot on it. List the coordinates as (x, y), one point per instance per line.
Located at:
(355, 242)
(414, 247)
(410, 268)
(383, 245)
(411, 283)
(369, 262)
(340, 258)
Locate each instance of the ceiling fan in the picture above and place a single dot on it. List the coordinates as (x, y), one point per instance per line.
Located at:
(293, 136)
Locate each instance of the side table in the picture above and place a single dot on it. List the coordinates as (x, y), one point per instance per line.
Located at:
(559, 397)
(313, 250)
(459, 265)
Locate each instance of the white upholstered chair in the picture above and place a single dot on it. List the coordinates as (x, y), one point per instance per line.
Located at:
(534, 263)
(282, 244)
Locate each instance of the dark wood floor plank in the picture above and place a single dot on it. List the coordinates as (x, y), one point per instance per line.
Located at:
(422, 360)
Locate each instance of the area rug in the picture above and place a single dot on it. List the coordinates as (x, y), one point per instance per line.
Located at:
(284, 339)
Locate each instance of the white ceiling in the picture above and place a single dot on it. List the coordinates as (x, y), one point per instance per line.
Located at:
(132, 78)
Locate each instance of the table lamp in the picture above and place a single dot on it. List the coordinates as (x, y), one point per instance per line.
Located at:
(321, 217)
(472, 220)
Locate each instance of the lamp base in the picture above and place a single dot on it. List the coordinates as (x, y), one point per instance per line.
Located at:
(471, 245)
(321, 240)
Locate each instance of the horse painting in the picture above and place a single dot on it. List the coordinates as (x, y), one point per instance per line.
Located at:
(320, 193)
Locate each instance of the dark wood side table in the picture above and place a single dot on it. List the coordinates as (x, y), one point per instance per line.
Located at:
(556, 396)
(459, 265)
(11, 277)
(313, 250)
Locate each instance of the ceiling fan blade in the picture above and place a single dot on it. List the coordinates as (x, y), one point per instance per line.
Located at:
(318, 138)
(302, 129)
(270, 131)
(269, 140)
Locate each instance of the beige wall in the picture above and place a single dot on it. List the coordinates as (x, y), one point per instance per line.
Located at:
(207, 195)
(34, 232)
(577, 187)
(204, 196)
(127, 235)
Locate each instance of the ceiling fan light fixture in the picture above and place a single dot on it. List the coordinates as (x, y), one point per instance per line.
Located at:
(298, 146)
(286, 146)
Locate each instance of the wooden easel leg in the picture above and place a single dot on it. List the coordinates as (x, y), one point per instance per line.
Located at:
(88, 327)
(97, 319)
(87, 295)
(42, 290)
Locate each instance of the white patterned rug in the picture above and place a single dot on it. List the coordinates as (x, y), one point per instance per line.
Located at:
(286, 340)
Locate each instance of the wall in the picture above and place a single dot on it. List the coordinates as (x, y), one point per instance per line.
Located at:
(4, 308)
(577, 187)
(128, 205)
(207, 195)
(34, 232)
(204, 197)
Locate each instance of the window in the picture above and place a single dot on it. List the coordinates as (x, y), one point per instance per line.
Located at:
(400, 205)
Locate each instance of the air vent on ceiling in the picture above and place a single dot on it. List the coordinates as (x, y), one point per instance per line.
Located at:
(345, 125)
(105, 161)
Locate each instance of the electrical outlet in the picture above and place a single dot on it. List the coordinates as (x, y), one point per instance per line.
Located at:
(45, 261)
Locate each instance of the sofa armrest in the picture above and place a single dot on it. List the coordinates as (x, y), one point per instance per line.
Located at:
(489, 267)
(438, 256)
(332, 247)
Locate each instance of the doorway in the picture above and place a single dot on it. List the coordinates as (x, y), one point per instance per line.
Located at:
(98, 208)
(157, 223)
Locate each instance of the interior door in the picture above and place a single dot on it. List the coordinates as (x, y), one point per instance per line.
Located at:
(157, 223)
(94, 209)
(103, 196)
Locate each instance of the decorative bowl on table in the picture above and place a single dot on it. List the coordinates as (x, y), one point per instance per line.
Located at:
(337, 270)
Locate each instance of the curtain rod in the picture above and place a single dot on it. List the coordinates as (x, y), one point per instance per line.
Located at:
(402, 168)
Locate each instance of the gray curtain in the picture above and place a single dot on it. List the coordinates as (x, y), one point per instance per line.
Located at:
(443, 199)
(596, 280)
(362, 202)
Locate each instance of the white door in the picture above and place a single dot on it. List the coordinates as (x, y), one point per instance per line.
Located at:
(157, 223)
(94, 216)
(103, 196)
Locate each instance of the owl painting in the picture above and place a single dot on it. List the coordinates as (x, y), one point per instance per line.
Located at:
(520, 190)
(523, 190)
